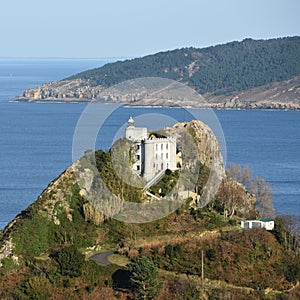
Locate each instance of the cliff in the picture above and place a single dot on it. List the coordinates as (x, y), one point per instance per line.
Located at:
(248, 75)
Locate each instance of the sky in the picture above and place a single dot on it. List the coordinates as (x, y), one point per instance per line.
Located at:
(133, 28)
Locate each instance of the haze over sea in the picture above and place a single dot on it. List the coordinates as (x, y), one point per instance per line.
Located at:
(36, 138)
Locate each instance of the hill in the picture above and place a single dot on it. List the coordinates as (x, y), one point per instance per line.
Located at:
(43, 250)
(221, 69)
(220, 73)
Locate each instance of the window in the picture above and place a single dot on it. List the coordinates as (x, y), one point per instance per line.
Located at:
(138, 167)
(167, 146)
(138, 157)
(161, 155)
(156, 147)
(138, 147)
(156, 155)
(162, 146)
(167, 155)
(162, 166)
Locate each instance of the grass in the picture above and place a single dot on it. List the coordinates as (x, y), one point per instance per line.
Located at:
(118, 259)
(43, 256)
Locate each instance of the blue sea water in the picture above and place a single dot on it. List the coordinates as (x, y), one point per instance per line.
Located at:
(36, 138)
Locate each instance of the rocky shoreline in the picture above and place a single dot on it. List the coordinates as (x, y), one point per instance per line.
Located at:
(277, 96)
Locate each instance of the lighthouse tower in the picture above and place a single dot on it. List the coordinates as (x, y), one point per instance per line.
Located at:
(135, 134)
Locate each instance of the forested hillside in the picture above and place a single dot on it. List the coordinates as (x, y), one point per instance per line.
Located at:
(221, 69)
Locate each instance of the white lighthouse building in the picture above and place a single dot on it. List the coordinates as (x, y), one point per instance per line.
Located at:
(152, 154)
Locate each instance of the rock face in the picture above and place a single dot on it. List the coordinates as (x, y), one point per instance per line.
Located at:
(57, 196)
(65, 90)
(278, 95)
(209, 155)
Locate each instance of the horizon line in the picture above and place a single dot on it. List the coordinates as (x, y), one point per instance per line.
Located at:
(63, 57)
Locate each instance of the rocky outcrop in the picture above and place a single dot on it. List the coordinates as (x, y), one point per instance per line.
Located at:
(278, 95)
(209, 155)
(57, 196)
(65, 90)
(54, 197)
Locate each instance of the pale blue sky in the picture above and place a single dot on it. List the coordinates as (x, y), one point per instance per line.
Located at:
(130, 28)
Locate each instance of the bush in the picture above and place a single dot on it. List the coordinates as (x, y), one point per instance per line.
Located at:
(35, 288)
(232, 222)
(32, 235)
(211, 254)
(70, 260)
(166, 184)
(8, 265)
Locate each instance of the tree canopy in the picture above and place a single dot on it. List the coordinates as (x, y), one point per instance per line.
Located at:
(71, 261)
(221, 69)
(144, 274)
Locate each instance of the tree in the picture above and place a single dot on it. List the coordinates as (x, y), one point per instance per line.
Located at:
(232, 197)
(263, 193)
(257, 186)
(143, 277)
(287, 231)
(71, 261)
(242, 175)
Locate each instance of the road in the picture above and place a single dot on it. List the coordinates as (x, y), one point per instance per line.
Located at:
(102, 258)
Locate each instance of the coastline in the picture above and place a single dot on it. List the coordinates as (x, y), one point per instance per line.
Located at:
(276, 106)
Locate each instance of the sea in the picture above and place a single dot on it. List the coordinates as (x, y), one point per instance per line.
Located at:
(36, 138)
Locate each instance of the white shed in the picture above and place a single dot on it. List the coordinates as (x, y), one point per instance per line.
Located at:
(267, 223)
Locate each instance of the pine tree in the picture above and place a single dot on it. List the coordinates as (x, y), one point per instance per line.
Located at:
(144, 274)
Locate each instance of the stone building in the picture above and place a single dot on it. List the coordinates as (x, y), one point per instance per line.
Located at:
(152, 154)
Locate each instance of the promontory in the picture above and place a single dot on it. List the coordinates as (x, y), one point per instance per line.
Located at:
(250, 74)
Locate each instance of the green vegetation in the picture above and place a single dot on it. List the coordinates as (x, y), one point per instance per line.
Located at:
(160, 259)
(70, 261)
(166, 184)
(8, 265)
(144, 278)
(115, 170)
(204, 172)
(251, 253)
(37, 233)
(35, 287)
(254, 259)
(33, 234)
(219, 69)
(111, 164)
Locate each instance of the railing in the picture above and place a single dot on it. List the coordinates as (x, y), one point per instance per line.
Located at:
(155, 179)
(153, 196)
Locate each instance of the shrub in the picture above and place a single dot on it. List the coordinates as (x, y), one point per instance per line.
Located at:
(71, 261)
(35, 288)
(8, 265)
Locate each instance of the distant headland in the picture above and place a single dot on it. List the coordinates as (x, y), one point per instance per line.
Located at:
(251, 74)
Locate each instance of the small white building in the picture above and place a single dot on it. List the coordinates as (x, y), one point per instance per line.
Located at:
(267, 223)
(152, 154)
